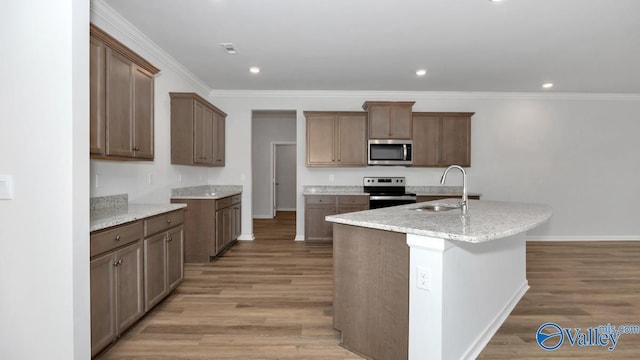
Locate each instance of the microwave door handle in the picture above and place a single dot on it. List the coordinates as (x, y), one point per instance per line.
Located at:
(404, 148)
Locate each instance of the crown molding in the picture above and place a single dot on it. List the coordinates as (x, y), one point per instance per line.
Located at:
(403, 95)
(103, 16)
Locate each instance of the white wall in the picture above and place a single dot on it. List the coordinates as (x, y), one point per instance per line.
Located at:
(575, 152)
(268, 127)
(44, 107)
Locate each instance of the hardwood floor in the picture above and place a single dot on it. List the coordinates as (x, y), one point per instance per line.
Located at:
(271, 299)
(282, 227)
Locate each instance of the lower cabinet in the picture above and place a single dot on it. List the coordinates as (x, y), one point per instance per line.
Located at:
(317, 231)
(210, 226)
(163, 256)
(117, 294)
(132, 268)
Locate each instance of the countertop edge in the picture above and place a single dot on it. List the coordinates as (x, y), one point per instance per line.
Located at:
(134, 212)
(209, 197)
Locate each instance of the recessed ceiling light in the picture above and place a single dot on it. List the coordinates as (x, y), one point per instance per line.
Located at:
(547, 85)
(254, 69)
(421, 72)
(229, 48)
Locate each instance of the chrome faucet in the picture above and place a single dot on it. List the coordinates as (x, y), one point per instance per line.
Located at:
(464, 202)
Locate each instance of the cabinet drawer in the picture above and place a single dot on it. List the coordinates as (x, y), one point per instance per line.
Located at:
(162, 222)
(353, 200)
(321, 199)
(235, 199)
(111, 239)
(224, 202)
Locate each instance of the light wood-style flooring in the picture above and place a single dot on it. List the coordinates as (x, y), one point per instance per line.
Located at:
(271, 299)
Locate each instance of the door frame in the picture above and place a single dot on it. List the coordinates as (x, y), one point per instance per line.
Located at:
(273, 197)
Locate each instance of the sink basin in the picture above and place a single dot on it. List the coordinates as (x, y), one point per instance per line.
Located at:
(437, 207)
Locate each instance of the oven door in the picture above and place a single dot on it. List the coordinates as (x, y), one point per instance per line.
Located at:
(390, 152)
(381, 201)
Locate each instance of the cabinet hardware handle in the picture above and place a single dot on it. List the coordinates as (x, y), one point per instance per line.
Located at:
(169, 221)
(170, 239)
(118, 263)
(117, 237)
(136, 148)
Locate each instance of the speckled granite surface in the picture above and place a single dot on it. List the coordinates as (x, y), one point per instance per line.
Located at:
(111, 201)
(107, 217)
(487, 220)
(206, 192)
(357, 190)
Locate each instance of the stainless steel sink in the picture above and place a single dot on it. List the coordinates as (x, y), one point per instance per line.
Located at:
(437, 207)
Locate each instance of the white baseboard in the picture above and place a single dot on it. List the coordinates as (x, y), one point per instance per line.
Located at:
(584, 238)
(286, 209)
(299, 238)
(262, 216)
(484, 338)
(246, 237)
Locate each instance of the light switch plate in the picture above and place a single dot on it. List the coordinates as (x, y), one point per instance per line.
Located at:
(6, 187)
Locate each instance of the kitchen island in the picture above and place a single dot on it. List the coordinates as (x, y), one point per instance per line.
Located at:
(429, 285)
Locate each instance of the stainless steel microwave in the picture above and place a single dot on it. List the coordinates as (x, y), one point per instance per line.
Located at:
(390, 152)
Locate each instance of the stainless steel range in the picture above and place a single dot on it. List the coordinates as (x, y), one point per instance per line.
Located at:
(387, 191)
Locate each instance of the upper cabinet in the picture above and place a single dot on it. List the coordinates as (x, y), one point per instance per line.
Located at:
(336, 139)
(441, 139)
(389, 120)
(121, 100)
(197, 131)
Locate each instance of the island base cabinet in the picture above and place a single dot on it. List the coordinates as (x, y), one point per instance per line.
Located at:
(371, 291)
(116, 294)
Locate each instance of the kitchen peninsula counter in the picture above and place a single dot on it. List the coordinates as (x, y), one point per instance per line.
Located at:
(429, 285)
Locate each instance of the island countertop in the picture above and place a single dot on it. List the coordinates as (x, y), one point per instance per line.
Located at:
(487, 220)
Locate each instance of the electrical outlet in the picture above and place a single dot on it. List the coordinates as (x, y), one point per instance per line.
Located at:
(424, 278)
(150, 179)
(331, 178)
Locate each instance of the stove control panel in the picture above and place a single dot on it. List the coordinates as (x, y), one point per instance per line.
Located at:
(383, 181)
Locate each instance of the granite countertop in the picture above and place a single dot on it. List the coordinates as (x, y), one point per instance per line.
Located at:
(487, 220)
(358, 190)
(103, 218)
(206, 192)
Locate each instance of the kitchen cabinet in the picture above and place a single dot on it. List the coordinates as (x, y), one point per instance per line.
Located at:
(441, 139)
(317, 231)
(121, 101)
(389, 120)
(116, 276)
(163, 256)
(336, 139)
(197, 131)
(210, 226)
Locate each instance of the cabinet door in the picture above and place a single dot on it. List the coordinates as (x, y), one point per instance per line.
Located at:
(155, 269)
(97, 68)
(143, 113)
(119, 95)
(129, 286)
(426, 140)
(352, 140)
(379, 121)
(203, 134)
(219, 140)
(103, 301)
(223, 228)
(321, 140)
(343, 209)
(456, 141)
(237, 221)
(175, 257)
(317, 230)
(400, 122)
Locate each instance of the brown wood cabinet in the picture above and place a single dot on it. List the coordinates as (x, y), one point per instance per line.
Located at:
(163, 256)
(116, 276)
(121, 100)
(389, 120)
(317, 231)
(441, 139)
(336, 139)
(210, 226)
(197, 131)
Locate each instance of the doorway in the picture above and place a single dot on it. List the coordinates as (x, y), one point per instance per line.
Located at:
(283, 165)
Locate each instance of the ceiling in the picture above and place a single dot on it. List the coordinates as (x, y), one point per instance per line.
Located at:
(582, 46)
